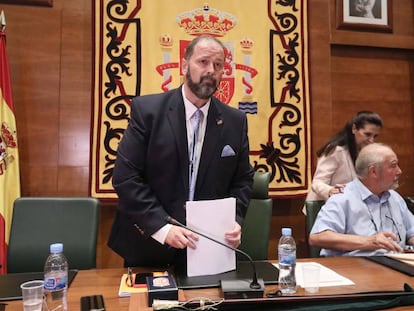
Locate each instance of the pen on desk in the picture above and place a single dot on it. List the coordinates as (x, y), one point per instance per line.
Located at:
(129, 278)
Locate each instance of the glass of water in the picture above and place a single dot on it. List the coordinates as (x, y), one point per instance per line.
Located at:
(32, 293)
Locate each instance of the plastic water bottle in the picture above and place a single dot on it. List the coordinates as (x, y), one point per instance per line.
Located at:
(287, 262)
(56, 278)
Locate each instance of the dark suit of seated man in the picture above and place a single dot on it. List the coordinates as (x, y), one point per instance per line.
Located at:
(369, 217)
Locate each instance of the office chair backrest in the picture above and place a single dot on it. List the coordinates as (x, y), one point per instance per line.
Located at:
(41, 221)
(410, 203)
(312, 210)
(256, 226)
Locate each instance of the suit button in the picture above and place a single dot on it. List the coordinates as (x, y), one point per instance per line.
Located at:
(139, 229)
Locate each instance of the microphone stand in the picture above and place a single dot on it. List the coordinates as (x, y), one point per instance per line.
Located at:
(232, 289)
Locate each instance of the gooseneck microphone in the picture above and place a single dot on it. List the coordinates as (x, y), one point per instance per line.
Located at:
(232, 288)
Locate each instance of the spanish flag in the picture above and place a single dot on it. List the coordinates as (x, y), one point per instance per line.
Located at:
(9, 157)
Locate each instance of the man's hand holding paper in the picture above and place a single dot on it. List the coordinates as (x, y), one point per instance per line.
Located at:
(178, 237)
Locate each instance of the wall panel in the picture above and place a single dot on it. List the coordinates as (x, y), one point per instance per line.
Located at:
(379, 80)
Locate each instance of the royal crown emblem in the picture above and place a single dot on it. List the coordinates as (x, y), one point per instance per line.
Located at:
(206, 20)
(166, 40)
(246, 43)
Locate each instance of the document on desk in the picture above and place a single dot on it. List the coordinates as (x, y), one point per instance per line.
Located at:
(211, 218)
(327, 276)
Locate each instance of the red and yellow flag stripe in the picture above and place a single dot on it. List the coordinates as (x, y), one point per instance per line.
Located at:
(9, 157)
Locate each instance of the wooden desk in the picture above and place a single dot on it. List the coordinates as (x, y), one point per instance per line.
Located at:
(90, 282)
(367, 276)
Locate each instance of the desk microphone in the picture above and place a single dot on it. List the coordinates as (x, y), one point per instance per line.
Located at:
(232, 289)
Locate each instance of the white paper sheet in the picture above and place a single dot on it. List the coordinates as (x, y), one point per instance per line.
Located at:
(212, 218)
(327, 276)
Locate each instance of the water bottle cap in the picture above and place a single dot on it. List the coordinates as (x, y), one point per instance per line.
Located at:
(286, 231)
(56, 248)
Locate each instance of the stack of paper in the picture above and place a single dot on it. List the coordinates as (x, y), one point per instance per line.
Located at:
(126, 291)
(327, 276)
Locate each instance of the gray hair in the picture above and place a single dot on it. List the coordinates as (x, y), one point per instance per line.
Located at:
(371, 154)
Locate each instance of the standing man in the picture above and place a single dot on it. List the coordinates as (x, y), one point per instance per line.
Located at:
(164, 160)
(369, 217)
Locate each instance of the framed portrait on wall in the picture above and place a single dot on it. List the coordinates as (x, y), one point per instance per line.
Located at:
(369, 15)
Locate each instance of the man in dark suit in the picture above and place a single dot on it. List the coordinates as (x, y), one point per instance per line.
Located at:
(158, 159)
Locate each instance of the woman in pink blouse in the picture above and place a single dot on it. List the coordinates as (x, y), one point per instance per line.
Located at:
(336, 158)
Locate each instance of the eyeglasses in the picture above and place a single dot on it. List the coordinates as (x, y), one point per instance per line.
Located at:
(130, 278)
(395, 225)
(389, 218)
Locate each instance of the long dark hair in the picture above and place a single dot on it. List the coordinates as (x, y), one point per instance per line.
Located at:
(345, 137)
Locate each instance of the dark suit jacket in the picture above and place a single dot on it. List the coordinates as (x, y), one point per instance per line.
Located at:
(151, 174)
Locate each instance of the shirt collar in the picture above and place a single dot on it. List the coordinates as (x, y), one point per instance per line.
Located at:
(366, 193)
(190, 108)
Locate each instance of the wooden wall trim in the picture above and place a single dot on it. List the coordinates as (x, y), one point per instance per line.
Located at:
(372, 40)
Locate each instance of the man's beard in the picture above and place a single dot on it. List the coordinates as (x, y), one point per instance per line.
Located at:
(201, 90)
(395, 185)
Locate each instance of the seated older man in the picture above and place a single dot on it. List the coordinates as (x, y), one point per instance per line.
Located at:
(369, 217)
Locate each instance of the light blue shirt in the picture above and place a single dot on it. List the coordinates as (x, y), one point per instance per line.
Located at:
(358, 211)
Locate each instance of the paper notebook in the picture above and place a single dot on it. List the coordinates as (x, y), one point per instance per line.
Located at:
(126, 291)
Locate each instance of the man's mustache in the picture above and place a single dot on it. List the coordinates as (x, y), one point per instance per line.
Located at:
(212, 79)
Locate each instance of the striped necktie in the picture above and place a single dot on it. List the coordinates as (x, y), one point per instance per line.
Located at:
(195, 122)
